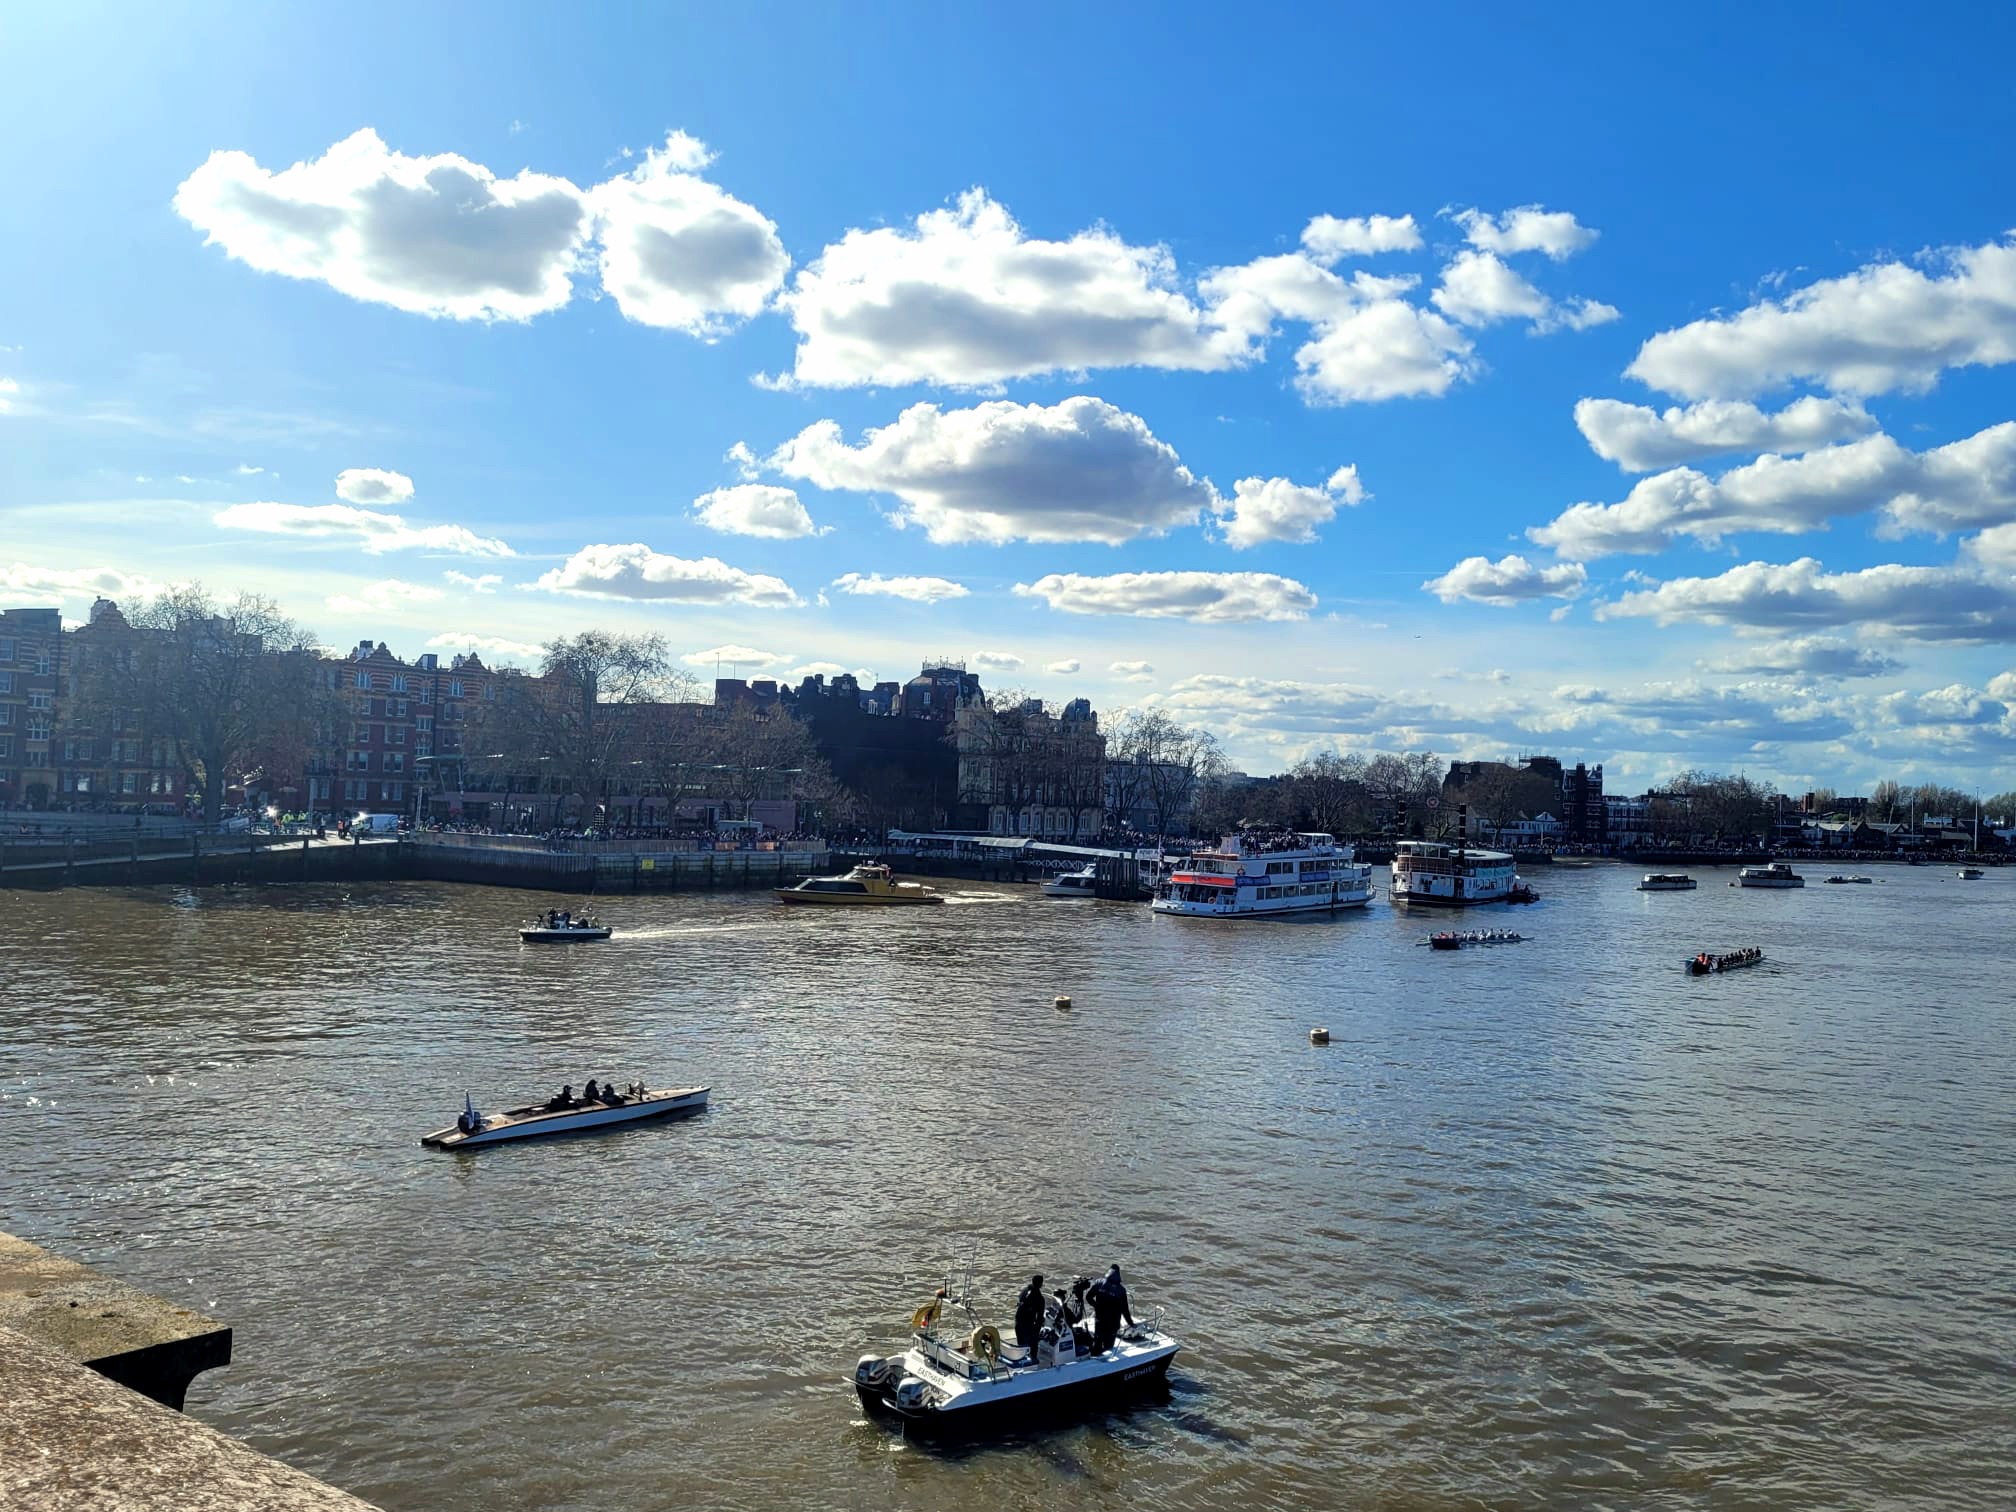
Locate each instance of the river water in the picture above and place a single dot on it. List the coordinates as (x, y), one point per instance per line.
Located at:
(1546, 1225)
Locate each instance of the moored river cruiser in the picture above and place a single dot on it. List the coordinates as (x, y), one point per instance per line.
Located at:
(1451, 876)
(1252, 875)
(1777, 874)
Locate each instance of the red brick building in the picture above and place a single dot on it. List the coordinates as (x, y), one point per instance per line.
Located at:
(31, 659)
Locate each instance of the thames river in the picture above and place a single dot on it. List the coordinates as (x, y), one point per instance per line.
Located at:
(1547, 1225)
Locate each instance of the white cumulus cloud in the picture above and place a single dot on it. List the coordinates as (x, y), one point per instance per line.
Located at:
(1132, 671)
(1063, 668)
(1640, 439)
(1327, 238)
(995, 661)
(1509, 580)
(1961, 603)
(1275, 509)
(485, 582)
(736, 656)
(636, 572)
(1807, 656)
(918, 590)
(1480, 289)
(1963, 485)
(435, 235)
(963, 297)
(680, 252)
(1886, 327)
(372, 485)
(1529, 228)
(496, 646)
(387, 593)
(1200, 597)
(755, 509)
(26, 580)
(1079, 470)
(375, 531)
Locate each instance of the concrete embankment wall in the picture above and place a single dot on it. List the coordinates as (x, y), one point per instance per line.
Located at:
(91, 1370)
(201, 860)
(561, 871)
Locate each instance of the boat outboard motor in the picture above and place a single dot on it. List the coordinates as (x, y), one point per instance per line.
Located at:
(911, 1395)
(872, 1371)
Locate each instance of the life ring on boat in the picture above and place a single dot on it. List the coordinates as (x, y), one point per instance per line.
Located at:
(984, 1343)
(926, 1315)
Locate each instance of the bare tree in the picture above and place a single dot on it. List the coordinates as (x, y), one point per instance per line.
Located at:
(1171, 762)
(218, 686)
(570, 728)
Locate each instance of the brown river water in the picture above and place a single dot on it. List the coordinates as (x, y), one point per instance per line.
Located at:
(1546, 1225)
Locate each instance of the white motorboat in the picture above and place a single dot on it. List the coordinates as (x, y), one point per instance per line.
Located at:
(473, 1130)
(1254, 875)
(1839, 880)
(1777, 874)
(563, 929)
(1083, 883)
(1666, 882)
(1452, 876)
(965, 1377)
(1970, 874)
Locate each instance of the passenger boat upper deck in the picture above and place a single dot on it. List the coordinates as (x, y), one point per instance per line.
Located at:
(1253, 874)
(1437, 872)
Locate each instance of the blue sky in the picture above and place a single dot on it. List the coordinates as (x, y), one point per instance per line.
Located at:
(1054, 344)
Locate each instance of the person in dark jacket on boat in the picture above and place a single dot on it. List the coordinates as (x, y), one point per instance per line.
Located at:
(589, 1093)
(1109, 1307)
(1029, 1313)
(564, 1100)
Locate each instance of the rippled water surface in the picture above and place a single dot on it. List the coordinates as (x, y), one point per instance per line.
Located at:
(1546, 1225)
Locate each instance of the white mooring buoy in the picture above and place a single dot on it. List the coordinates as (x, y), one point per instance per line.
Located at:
(1062, 1004)
(1319, 1036)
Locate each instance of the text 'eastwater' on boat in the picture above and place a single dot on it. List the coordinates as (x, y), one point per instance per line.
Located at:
(964, 1375)
(1666, 882)
(1777, 874)
(1708, 963)
(1082, 883)
(596, 1107)
(561, 926)
(1256, 873)
(869, 885)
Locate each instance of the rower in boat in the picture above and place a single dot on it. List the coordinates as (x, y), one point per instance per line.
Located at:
(599, 1106)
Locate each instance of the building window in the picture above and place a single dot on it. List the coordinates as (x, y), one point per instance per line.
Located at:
(41, 700)
(6, 746)
(396, 706)
(425, 722)
(129, 782)
(395, 761)
(395, 790)
(6, 648)
(6, 682)
(363, 679)
(38, 729)
(398, 684)
(37, 758)
(44, 664)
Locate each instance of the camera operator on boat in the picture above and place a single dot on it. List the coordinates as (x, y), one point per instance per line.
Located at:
(1029, 1313)
(1109, 1308)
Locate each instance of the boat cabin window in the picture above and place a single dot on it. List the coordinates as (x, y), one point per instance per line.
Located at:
(832, 885)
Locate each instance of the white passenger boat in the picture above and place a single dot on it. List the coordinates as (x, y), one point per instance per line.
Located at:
(1253, 875)
(1666, 882)
(1452, 876)
(1970, 874)
(964, 1377)
(473, 1129)
(1083, 883)
(1777, 874)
